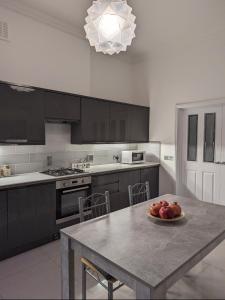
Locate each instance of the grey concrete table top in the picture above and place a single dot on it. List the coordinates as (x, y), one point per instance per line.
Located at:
(148, 250)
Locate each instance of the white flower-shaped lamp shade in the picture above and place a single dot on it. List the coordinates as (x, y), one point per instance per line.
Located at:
(110, 26)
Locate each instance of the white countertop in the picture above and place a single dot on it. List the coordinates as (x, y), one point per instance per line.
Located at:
(21, 179)
(34, 178)
(118, 167)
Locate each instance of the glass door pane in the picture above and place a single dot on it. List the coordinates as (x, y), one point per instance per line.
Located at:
(209, 137)
(192, 137)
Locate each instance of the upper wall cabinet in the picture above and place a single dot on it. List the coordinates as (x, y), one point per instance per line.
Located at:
(21, 115)
(128, 123)
(61, 106)
(94, 125)
(110, 122)
(24, 111)
(119, 122)
(139, 118)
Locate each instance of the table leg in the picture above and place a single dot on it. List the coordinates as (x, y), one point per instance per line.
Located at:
(144, 292)
(67, 269)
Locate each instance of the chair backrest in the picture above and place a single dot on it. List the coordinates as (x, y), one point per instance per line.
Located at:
(138, 193)
(94, 206)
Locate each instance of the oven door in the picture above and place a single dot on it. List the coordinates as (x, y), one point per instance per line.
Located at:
(67, 206)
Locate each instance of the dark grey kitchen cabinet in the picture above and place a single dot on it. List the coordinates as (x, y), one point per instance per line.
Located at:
(128, 123)
(110, 122)
(119, 122)
(110, 183)
(152, 176)
(94, 125)
(21, 115)
(138, 124)
(3, 222)
(117, 184)
(126, 179)
(31, 215)
(59, 106)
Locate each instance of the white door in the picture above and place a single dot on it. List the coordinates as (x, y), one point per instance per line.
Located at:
(222, 161)
(202, 144)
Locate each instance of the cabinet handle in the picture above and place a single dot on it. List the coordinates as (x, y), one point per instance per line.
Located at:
(15, 141)
(21, 88)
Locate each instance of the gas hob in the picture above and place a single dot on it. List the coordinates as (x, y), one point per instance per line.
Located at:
(63, 172)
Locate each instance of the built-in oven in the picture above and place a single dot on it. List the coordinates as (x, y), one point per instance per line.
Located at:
(67, 199)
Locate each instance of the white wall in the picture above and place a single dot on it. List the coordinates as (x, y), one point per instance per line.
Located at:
(40, 55)
(111, 78)
(186, 73)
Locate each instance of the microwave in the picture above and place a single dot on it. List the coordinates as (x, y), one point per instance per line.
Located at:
(133, 157)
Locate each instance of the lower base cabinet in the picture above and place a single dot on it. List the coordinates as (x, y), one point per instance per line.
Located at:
(152, 176)
(30, 217)
(3, 222)
(126, 179)
(117, 185)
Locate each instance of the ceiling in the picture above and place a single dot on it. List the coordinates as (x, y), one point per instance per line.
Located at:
(160, 23)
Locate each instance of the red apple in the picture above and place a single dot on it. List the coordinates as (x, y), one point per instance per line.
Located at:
(164, 203)
(176, 209)
(166, 212)
(154, 209)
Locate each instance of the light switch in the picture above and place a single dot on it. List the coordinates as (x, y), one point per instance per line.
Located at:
(168, 157)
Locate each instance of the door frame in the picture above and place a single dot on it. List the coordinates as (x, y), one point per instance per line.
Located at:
(179, 112)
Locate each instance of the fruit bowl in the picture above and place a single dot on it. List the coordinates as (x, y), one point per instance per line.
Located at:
(165, 211)
(166, 220)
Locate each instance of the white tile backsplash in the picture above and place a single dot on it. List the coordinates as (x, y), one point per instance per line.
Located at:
(153, 151)
(24, 159)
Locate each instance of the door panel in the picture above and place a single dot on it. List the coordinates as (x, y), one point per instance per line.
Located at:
(191, 181)
(21, 115)
(61, 106)
(152, 176)
(138, 124)
(208, 184)
(119, 127)
(95, 120)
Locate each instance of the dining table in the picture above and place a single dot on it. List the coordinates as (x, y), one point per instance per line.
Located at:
(147, 255)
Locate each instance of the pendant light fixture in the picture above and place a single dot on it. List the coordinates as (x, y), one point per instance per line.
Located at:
(110, 26)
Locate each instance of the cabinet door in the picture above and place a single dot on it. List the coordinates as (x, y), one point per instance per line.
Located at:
(138, 124)
(95, 120)
(31, 214)
(45, 202)
(36, 122)
(152, 176)
(61, 106)
(109, 183)
(21, 217)
(126, 179)
(119, 122)
(21, 115)
(3, 222)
